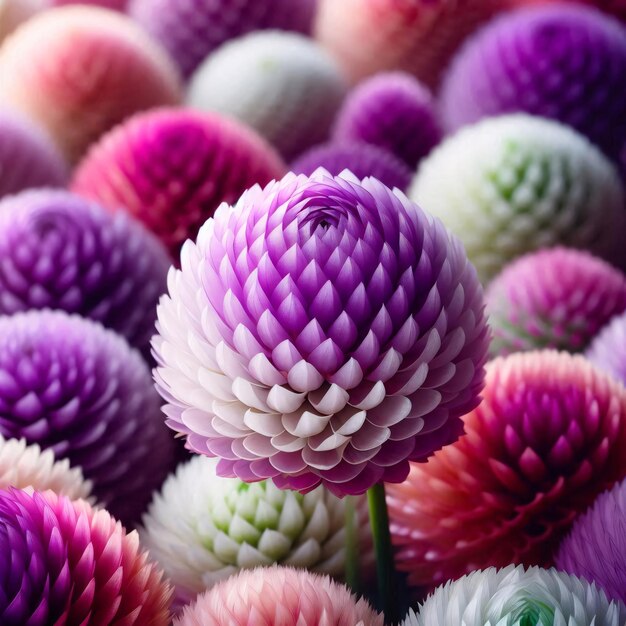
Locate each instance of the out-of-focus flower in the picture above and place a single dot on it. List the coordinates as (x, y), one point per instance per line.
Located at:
(608, 349)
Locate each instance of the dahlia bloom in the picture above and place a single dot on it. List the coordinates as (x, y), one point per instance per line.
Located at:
(565, 62)
(514, 184)
(61, 252)
(202, 529)
(281, 84)
(322, 330)
(65, 563)
(514, 596)
(393, 111)
(279, 596)
(557, 298)
(548, 437)
(71, 386)
(76, 71)
(172, 168)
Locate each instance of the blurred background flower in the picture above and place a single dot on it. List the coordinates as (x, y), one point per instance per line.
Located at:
(608, 349)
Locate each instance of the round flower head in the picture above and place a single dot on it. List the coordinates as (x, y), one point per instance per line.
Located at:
(281, 84)
(71, 386)
(418, 36)
(62, 252)
(608, 349)
(190, 31)
(360, 158)
(564, 62)
(393, 111)
(65, 563)
(596, 547)
(323, 330)
(80, 70)
(279, 596)
(27, 157)
(24, 466)
(517, 597)
(556, 298)
(548, 437)
(172, 168)
(203, 529)
(515, 184)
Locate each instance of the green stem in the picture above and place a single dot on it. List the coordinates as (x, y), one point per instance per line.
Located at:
(379, 522)
(352, 546)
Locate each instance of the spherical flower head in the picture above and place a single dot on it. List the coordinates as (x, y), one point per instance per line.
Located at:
(393, 111)
(322, 330)
(281, 84)
(66, 563)
(564, 62)
(190, 31)
(62, 252)
(557, 298)
(514, 596)
(608, 350)
(360, 158)
(548, 437)
(28, 158)
(76, 71)
(279, 596)
(202, 528)
(23, 466)
(514, 184)
(172, 168)
(71, 386)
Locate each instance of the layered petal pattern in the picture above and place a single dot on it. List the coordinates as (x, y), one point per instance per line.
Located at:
(548, 437)
(65, 563)
(608, 349)
(323, 330)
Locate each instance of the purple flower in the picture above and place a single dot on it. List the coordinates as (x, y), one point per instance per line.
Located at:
(323, 330)
(608, 349)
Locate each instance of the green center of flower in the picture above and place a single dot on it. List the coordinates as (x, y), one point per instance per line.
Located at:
(531, 612)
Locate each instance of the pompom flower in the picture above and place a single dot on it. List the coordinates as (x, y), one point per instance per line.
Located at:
(190, 31)
(59, 251)
(323, 330)
(517, 597)
(27, 156)
(203, 529)
(564, 62)
(556, 298)
(79, 71)
(393, 111)
(360, 158)
(71, 386)
(65, 563)
(281, 84)
(514, 184)
(172, 168)
(548, 437)
(279, 597)
(24, 466)
(608, 350)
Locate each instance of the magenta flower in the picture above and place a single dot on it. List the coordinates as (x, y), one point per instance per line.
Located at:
(323, 330)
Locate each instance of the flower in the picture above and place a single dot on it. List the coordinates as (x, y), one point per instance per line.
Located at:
(360, 158)
(279, 596)
(202, 529)
(66, 563)
(514, 184)
(85, 79)
(24, 466)
(323, 330)
(393, 111)
(190, 31)
(71, 386)
(548, 437)
(595, 549)
(556, 298)
(564, 62)
(514, 597)
(27, 157)
(172, 168)
(59, 251)
(608, 349)
(281, 84)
